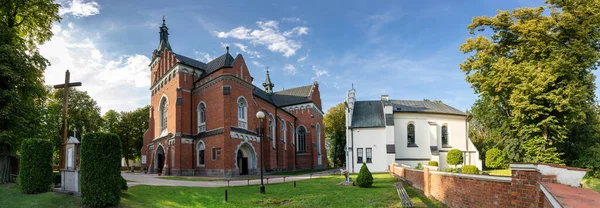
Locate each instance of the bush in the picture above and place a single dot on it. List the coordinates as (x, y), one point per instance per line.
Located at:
(35, 174)
(470, 169)
(57, 178)
(364, 179)
(432, 163)
(419, 166)
(124, 186)
(454, 157)
(451, 170)
(494, 158)
(100, 170)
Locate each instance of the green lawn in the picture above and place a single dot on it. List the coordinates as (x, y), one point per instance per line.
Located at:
(182, 178)
(499, 172)
(320, 192)
(591, 183)
(11, 196)
(298, 172)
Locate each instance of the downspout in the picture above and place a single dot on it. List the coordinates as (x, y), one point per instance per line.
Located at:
(352, 139)
(191, 123)
(295, 142)
(276, 142)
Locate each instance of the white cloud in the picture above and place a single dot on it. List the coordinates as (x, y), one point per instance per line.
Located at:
(268, 35)
(303, 58)
(120, 84)
(296, 31)
(319, 72)
(78, 8)
(377, 22)
(289, 68)
(204, 57)
(244, 48)
(258, 64)
(291, 19)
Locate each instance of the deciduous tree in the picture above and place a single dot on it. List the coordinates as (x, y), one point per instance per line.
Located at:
(335, 132)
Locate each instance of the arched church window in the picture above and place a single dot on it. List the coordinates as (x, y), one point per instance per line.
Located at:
(411, 134)
(272, 130)
(242, 110)
(163, 113)
(201, 117)
(444, 135)
(301, 139)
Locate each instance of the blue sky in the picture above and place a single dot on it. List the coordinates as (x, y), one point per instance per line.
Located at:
(406, 49)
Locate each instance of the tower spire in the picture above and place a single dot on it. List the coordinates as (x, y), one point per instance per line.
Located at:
(164, 38)
(268, 84)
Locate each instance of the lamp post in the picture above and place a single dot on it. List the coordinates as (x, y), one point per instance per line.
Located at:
(260, 115)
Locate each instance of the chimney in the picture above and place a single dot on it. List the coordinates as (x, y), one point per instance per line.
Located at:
(384, 97)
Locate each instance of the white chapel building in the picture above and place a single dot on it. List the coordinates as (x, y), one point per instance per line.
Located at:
(382, 132)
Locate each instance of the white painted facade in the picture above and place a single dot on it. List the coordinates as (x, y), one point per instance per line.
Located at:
(428, 138)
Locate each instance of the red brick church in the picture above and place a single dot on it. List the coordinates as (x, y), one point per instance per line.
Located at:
(203, 119)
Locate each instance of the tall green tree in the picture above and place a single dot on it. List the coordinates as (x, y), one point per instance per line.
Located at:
(535, 74)
(335, 133)
(111, 120)
(131, 131)
(23, 26)
(84, 114)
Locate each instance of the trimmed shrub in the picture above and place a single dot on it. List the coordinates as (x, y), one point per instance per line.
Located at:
(124, 186)
(451, 170)
(100, 169)
(454, 157)
(494, 158)
(364, 179)
(470, 169)
(432, 163)
(419, 166)
(57, 178)
(35, 174)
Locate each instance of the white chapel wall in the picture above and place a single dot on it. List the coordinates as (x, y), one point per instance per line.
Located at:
(371, 138)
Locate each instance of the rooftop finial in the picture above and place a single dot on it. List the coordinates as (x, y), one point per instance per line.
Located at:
(227, 48)
(163, 20)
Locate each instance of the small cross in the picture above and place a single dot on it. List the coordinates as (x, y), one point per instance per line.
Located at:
(267, 69)
(75, 132)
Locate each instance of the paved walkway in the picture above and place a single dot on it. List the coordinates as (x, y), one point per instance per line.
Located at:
(150, 179)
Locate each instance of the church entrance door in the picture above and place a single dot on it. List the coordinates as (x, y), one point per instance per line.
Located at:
(160, 158)
(244, 166)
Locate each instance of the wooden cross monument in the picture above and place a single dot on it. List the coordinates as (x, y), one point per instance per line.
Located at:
(66, 86)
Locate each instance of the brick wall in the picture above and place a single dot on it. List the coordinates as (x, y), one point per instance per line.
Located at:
(522, 189)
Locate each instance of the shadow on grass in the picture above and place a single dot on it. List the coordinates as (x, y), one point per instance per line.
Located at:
(420, 200)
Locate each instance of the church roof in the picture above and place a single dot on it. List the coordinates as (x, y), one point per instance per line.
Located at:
(292, 96)
(225, 60)
(421, 106)
(190, 61)
(370, 113)
(367, 114)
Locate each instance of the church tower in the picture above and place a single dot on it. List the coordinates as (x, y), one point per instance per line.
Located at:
(164, 39)
(268, 84)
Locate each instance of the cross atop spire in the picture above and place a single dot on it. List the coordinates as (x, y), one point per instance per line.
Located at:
(268, 84)
(164, 38)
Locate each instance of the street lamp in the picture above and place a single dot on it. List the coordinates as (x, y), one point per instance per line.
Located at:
(261, 115)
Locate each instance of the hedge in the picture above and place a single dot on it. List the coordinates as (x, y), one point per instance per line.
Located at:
(432, 163)
(494, 158)
(100, 169)
(364, 179)
(454, 157)
(470, 169)
(35, 172)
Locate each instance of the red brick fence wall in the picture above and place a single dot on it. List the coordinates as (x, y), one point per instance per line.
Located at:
(527, 187)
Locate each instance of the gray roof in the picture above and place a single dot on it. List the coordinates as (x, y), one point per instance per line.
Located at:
(190, 61)
(262, 94)
(419, 106)
(225, 60)
(292, 96)
(368, 114)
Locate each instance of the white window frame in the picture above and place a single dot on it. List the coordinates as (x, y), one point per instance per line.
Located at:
(272, 130)
(318, 127)
(164, 113)
(242, 112)
(283, 133)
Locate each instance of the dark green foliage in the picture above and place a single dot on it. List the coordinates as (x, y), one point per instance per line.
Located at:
(364, 179)
(432, 163)
(335, 134)
(450, 170)
(494, 158)
(124, 186)
(57, 178)
(36, 166)
(419, 166)
(454, 157)
(470, 169)
(590, 159)
(100, 169)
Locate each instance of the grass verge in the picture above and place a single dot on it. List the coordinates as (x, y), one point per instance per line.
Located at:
(11, 196)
